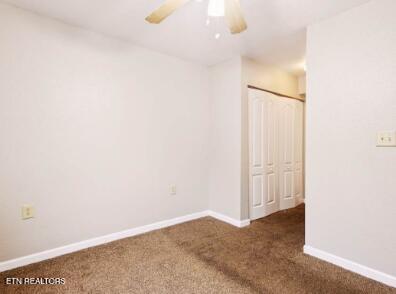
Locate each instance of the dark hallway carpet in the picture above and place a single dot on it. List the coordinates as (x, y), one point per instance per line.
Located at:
(202, 256)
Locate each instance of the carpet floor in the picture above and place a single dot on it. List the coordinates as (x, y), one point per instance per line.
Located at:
(201, 256)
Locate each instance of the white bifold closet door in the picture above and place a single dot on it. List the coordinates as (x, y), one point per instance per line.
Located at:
(276, 153)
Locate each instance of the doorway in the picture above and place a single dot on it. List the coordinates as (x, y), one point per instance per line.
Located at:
(276, 149)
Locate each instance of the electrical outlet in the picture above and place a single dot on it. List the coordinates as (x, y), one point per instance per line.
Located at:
(27, 212)
(172, 190)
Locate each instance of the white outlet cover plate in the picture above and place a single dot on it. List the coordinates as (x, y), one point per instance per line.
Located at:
(27, 212)
(173, 190)
(386, 139)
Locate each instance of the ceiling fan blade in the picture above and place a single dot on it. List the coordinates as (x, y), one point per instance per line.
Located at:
(234, 17)
(165, 10)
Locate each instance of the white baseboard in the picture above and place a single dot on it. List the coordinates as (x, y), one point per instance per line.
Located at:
(227, 219)
(352, 266)
(48, 254)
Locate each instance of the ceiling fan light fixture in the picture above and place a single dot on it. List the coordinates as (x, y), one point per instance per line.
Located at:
(229, 9)
(216, 8)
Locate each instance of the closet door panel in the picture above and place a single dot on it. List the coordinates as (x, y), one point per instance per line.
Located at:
(287, 185)
(258, 135)
(257, 185)
(272, 187)
(271, 125)
(286, 147)
(258, 191)
(286, 115)
(263, 186)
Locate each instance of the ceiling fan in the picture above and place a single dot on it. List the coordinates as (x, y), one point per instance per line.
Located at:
(230, 9)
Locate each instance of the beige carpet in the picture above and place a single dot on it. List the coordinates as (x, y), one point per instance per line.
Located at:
(202, 256)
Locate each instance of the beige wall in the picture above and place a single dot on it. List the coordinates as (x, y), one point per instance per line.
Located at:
(94, 131)
(268, 77)
(225, 160)
(302, 85)
(350, 183)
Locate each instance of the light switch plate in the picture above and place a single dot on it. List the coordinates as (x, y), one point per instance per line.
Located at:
(386, 139)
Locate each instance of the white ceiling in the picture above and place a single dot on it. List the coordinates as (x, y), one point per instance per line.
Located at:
(276, 33)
